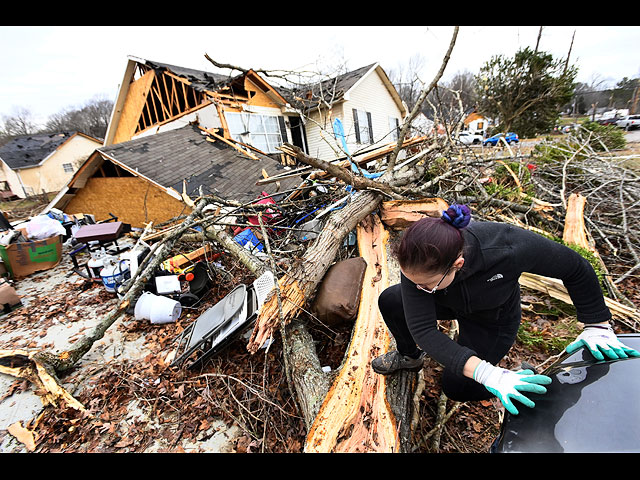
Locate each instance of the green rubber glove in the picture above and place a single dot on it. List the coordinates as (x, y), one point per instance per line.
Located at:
(600, 339)
(508, 385)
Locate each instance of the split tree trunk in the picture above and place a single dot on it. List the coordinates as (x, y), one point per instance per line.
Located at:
(575, 233)
(355, 416)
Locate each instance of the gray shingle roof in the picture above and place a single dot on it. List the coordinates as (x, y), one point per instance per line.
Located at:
(185, 153)
(200, 79)
(29, 150)
(331, 90)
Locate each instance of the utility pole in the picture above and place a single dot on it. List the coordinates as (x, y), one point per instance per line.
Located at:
(636, 95)
(538, 41)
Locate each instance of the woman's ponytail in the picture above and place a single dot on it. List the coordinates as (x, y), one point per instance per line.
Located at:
(458, 216)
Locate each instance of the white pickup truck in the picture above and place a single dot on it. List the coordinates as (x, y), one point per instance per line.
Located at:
(469, 138)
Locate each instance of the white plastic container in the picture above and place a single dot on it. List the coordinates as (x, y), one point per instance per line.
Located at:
(165, 310)
(157, 308)
(142, 309)
(168, 284)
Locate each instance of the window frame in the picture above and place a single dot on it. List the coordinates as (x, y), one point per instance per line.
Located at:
(266, 133)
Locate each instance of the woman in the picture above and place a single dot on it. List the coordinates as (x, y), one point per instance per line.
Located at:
(454, 269)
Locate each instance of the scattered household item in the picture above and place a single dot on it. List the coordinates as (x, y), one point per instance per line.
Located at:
(338, 297)
(168, 284)
(218, 325)
(248, 240)
(102, 233)
(96, 264)
(22, 258)
(157, 308)
(178, 263)
(43, 226)
(114, 274)
(9, 299)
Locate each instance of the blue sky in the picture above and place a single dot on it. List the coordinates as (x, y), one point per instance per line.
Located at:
(50, 68)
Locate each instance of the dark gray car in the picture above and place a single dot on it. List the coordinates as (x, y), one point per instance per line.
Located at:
(591, 406)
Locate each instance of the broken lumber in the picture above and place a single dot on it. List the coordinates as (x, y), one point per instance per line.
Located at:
(556, 289)
(399, 214)
(355, 415)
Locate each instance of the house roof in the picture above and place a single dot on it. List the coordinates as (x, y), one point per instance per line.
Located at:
(337, 89)
(200, 80)
(188, 154)
(30, 150)
(332, 90)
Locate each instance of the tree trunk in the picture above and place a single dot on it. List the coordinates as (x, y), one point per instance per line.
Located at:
(355, 416)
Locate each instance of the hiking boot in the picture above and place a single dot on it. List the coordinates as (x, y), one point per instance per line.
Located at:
(393, 361)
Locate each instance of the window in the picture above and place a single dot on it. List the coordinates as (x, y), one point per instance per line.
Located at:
(67, 167)
(264, 132)
(362, 126)
(394, 128)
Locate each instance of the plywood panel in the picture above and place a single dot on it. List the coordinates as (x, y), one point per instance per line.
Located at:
(131, 199)
(133, 106)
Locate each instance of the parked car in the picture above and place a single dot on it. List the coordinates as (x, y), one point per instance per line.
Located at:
(509, 138)
(629, 122)
(590, 406)
(608, 121)
(469, 138)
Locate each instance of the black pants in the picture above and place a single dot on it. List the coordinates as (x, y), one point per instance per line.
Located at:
(491, 334)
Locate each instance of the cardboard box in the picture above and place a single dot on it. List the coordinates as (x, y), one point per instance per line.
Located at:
(8, 297)
(24, 258)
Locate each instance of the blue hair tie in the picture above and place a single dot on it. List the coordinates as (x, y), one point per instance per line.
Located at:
(458, 216)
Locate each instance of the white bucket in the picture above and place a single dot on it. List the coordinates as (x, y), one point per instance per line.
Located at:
(165, 310)
(142, 310)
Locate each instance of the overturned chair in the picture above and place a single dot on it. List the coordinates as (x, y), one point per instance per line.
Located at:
(220, 324)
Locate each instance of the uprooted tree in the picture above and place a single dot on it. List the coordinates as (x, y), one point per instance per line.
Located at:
(577, 187)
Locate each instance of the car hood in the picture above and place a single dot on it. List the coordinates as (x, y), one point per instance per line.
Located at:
(591, 406)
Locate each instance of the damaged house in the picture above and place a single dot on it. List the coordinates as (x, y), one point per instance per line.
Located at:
(176, 129)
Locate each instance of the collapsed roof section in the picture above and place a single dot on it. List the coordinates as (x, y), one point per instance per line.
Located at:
(153, 94)
(180, 161)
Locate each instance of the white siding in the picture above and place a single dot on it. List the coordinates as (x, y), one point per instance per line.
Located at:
(370, 95)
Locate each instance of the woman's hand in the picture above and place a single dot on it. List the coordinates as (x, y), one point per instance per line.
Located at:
(600, 339)
(508, 385)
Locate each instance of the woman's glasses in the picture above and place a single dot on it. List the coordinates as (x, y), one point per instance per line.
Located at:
(420, 287)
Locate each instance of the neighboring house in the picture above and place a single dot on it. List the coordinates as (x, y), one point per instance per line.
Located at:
(146, 179)
(365, 101)
(476, 123)
(33, 164)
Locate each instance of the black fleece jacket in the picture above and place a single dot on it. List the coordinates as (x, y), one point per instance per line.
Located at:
(495, 256)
